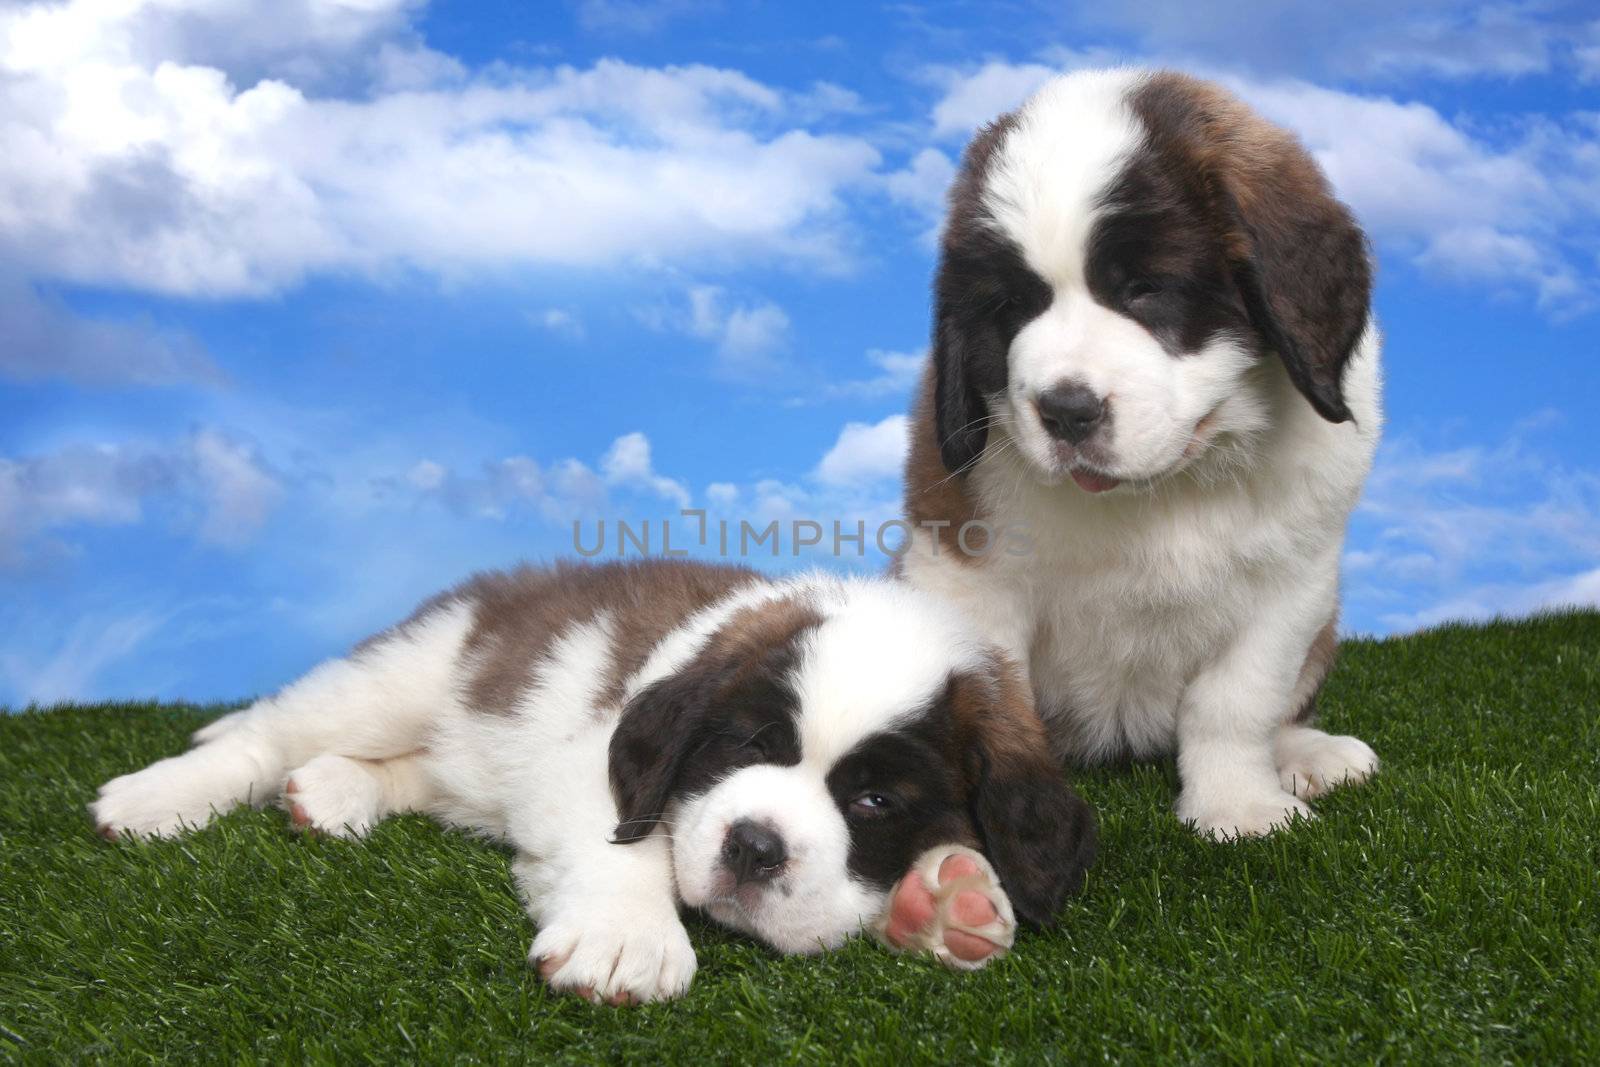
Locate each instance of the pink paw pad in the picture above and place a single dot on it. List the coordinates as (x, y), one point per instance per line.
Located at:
(297, 814)
(950, 905)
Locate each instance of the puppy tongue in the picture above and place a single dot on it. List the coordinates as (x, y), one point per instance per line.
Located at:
(1090, 482)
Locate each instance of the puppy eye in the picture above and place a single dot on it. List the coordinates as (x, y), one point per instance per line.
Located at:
(1139, 289)
(871, 804)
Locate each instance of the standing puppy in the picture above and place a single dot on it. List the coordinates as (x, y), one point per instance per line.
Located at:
(1151, 403)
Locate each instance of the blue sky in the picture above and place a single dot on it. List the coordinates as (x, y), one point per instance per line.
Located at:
(310, 307)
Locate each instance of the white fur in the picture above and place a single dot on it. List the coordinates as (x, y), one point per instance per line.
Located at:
(814, 904)
(1069, 141)
(1043, 192)
(1173, 612)
(343, 797)
(882, 652)
(1311, 762)
(866, 663)
(373, 706)
(388, 729)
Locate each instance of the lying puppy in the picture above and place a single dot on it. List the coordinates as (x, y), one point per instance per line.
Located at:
(777, 753)
(1155, 383)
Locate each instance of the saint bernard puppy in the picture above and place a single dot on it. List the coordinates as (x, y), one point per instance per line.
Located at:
(779, 754)
(1151, 402)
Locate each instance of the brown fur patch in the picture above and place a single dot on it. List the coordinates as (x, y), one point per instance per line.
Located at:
(655, 611)
(933, 494)
(734, 685)
(1299, 258)
(1037, 832)
(968, 214)
(518, 615)
(994, 709)
(753, 632)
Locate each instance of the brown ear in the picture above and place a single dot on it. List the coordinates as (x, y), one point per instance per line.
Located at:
(1298, 258)
(1038, 833)
(669, 719)
(658, 728)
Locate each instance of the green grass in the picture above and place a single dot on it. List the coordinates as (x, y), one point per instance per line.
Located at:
(1444, 913)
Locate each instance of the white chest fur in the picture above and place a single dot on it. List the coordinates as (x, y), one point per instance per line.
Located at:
(1118, 601)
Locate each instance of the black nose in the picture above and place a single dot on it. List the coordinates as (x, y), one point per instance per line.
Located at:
(1070, 412)
(752, 852)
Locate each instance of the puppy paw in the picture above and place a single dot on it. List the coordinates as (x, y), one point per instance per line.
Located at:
(1310, 762)
(163, 800)
(333, 795)
(1244, 817)
(618, 959)
(950, 905)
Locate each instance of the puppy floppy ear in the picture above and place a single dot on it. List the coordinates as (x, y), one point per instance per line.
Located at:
(1038, 833)
(670, 720)
(958, 410)
(657, 730)
(1306, 281)
(1299, 260)
(968, 352)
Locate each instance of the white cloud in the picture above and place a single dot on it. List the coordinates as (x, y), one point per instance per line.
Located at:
(1502, 599)
(1578, 590)
(628, 463)
(1362, 39)
(562, 321)
(1470, 532)
(751, 331)
(239, 492)
(101, 486)
(1461, 508)
(1516, 207)
(922, 185)
(1514, 211)
(131, 158)
(974, 98)
(298, 39)
(898, 373)
(1586, 53)
(497, 489)
(557, 491)
(68, 669)
(865, 453)
(40, 338)
(216, 486)
(427, 475)
(399, 68)
(745, 334)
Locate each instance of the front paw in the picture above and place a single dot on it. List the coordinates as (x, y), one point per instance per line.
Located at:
(950, 905)
(1310, 762)
(1243, 817)
(614, 957)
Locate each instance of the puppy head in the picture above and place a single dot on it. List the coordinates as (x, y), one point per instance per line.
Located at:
(1124, 253)
(817, 745)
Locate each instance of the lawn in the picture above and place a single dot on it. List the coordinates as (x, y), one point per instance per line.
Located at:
(1445, 912)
